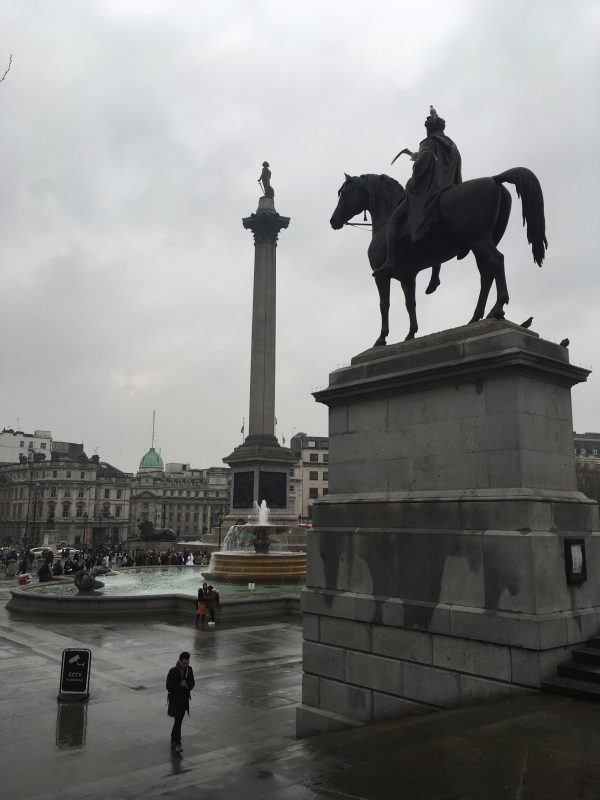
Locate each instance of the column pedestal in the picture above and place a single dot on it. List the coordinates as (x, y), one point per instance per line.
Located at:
(437, 573)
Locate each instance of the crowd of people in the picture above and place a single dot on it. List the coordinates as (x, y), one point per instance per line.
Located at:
(68, 561)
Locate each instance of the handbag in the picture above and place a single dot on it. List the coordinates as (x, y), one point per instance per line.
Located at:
(170, 706)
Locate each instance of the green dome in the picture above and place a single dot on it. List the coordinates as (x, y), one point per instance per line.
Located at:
(152, 460)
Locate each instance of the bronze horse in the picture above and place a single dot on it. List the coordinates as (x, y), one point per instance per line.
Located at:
(471, 216)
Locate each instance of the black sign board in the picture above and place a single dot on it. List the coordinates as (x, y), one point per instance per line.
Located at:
(75, 674)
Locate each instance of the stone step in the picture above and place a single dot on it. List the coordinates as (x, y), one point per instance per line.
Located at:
(572, 687)
(587, 671)
(589, 654)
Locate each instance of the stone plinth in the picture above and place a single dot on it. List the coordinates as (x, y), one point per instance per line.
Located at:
(436, 568)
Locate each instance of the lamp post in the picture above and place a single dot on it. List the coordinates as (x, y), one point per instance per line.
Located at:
(30, 460)
(219, 520)
(85, 521)
(35, 502)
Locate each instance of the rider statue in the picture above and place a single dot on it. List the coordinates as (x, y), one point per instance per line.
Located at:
(265, 180)
(436, 168)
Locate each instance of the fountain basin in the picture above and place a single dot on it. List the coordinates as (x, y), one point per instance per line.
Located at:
(154, 590)
(245, 567)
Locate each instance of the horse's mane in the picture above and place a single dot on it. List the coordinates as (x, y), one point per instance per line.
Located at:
(383, 190)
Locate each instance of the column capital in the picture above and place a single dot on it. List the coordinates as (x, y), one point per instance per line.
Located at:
(265, 225)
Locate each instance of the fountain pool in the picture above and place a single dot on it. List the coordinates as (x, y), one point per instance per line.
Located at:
(149, 590)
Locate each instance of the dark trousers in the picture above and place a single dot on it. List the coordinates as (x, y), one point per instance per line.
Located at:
(176, 730)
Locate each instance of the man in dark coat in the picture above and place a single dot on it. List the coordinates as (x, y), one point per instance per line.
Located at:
(180, 682)
(437, 167)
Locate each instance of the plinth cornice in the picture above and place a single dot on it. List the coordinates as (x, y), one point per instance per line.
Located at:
(469, 353)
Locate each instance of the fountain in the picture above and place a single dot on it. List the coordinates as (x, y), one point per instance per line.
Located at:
(246, 555)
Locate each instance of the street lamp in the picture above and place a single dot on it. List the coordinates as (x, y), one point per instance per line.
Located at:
(35, 503)
(30, 460)
(85, 521)
(219, 520)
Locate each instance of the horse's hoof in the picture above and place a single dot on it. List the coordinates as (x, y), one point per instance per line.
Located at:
(380, 343)
(473, 319)
(432, 287)
(495, 315)
(409, 337)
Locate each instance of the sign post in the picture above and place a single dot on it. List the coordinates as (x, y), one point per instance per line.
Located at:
(75, 675)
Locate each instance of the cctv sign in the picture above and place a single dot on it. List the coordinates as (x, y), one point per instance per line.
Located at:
(75, 674)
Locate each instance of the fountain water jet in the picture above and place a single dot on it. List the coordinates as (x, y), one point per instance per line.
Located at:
(246, 555)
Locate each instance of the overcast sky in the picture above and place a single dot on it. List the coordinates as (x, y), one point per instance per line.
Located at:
(131, 142)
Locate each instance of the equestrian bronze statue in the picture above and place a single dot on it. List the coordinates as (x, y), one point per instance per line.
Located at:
(438, 217)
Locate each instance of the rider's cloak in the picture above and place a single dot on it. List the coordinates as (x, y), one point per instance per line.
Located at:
(437, 168)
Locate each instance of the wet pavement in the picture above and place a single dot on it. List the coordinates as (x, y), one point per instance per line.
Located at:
(240, 738)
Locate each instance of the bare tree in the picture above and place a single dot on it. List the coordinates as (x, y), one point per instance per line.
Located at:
(7, 69)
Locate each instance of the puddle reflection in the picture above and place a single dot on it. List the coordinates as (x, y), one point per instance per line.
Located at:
(71, 725)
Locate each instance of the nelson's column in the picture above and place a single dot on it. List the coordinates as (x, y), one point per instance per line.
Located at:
(260, 466)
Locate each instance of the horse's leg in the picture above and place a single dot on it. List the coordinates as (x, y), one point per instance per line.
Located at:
(408, 286)
(502, 298)
(486, 276)
(383, 287)
(434, 281)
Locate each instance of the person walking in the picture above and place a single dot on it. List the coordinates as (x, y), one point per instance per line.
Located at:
(180, 682)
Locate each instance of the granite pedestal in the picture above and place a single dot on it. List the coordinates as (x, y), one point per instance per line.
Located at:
(436, 565)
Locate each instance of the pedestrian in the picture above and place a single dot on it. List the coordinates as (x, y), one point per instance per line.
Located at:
(180, 682)
(200, 607)
(212, 599)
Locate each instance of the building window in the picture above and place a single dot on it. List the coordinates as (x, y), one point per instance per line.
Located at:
(43, 445)
(80, 493)
(119, 493)
(325, 491)
(313, 476)
(53, 491)
(82, 474)
(117, 511)
(313, 494)
(196, 517)
(291, 472)
(79, 511)
(325, 457)
(106, 494)
(65, 512)
(67, 493)
(21, 444)
(68, 473)
(310, 443)
(313, 456)
(55, 474)
(325, 476)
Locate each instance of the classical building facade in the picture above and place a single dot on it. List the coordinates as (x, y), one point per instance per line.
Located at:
(190, 501)
(62, 496)
(47, 501)
(310, 476)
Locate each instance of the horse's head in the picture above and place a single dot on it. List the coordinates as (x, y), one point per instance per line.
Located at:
(353, 199)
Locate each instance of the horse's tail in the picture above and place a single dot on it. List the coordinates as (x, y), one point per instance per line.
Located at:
(532, 201)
